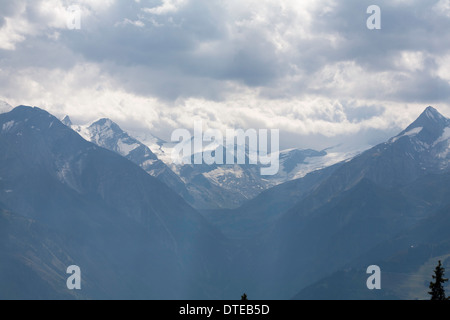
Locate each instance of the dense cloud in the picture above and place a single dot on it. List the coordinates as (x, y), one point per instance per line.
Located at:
(310, 68)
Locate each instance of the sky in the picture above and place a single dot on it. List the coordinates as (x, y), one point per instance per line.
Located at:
(310, 68)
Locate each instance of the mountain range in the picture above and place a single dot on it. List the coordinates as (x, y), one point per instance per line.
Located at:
(109, 204)
(205, 187)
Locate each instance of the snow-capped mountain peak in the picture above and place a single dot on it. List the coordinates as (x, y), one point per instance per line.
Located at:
(430, 119)
(427, 129)
(427, 139)
(107, 134)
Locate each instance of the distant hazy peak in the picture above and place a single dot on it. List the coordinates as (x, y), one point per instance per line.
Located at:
(67, 121)
(5, 107)
(106, 131)
(106, 123)
(103, 121)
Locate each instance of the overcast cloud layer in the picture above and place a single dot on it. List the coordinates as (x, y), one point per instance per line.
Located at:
(310, 68)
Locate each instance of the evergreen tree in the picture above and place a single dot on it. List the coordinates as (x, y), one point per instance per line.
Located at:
(244, 297)
(437, 288)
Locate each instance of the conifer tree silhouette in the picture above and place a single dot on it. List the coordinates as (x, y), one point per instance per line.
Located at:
(437, 287)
